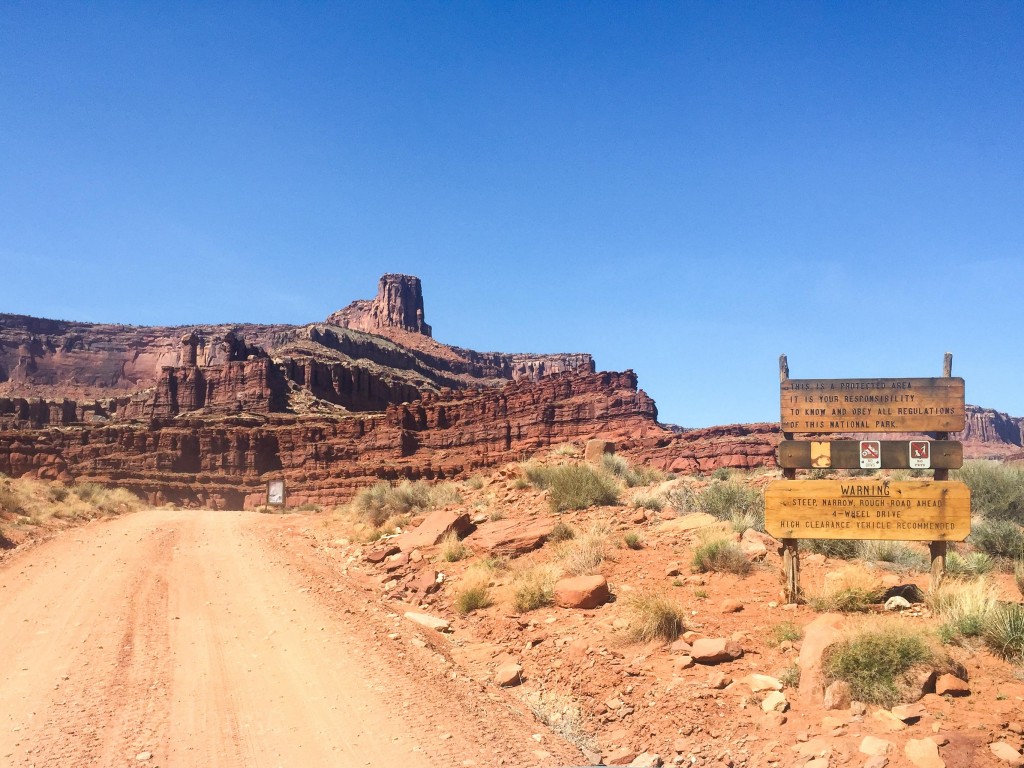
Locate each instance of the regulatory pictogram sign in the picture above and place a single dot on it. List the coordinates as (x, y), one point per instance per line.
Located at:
(870, 454)
(920, 454)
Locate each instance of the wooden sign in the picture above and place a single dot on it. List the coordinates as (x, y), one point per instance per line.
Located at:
(873, 405)
(896, 454)
(275, 493)
(864, 508)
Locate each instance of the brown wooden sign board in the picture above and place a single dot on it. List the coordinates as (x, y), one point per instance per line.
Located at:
(846, 454)
(865, 508)
(872, 405)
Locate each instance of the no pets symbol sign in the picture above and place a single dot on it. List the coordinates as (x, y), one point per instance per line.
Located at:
(920, 454)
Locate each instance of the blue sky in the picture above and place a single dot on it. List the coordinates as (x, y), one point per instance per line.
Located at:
(686, 189)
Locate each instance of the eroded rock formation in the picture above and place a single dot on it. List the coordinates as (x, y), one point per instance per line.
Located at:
(398, 304)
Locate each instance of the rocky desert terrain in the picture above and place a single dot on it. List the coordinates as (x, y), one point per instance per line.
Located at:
(486, 559)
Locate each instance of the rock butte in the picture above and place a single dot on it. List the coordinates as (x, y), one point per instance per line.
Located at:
(206, 414)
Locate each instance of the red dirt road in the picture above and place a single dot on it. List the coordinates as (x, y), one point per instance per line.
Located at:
(201, 638)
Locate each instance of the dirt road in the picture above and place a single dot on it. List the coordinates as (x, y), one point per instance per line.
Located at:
(179, 638)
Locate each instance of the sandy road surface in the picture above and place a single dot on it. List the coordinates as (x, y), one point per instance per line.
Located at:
(188, 635)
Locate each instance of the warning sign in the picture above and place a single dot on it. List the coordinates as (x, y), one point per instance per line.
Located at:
(920, 454)
(870, 454)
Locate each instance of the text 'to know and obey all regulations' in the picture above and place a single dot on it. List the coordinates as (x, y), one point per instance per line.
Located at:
(873, 405)
(865, 508)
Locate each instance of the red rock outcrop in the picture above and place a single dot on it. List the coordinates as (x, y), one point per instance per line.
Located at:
(398, 304)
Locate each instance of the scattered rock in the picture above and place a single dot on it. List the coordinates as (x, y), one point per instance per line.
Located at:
(878, 761)
(818, 636)
(425, 582)
(620, 756)
(680, 646)
(897, 603)
(908, 712)
(909, 592)
(399, 561)
(874, 746)
(379, 554)
(508, 675)
(582, 592)
(718, 681)
(673, 569)
(715, 651)
(731, 605)
(889, 720)
(951, 685)
(689, 522)
(511, 538)
(595, 449)
(758, 683)
(683, 662)
(775, 701)
(1007, 753)
(923, 753)
(434, 528)
(428, 621)
(646, 760)
(837, 695)
(773, 721)
(143, 756)
(755, 545)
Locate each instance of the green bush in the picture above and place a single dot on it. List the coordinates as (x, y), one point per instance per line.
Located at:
(997, 490)
(619, 468)
(785, 631)
(655, 617)
(972, 564)
(472, 596)
(534, 588)
(966, 608)
(578, 486)
(720, 555)
(731, 501)
(879, 663)
(1004, 632)
(999, 538)
(538, 475)
(652, 502)
(632, 540)
(383, 500)
(837, 549)
(895, 552)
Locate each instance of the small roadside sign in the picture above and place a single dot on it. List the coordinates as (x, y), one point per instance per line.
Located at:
(275, 493)
(870, 454)
(920, 454)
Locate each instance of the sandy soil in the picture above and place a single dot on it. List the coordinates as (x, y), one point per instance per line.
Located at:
(183, 638)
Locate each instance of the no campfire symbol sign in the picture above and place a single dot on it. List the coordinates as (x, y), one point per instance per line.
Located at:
(920, 454)
(870, 454)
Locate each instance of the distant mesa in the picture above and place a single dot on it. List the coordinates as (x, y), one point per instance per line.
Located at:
(398, 304)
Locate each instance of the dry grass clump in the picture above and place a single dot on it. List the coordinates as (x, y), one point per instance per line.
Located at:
(784, 631)
(534, 587)
(729, 500)
(880, 661)
(568, 450)
(620, 469)
(583, 554)
(579, 486)
(33, 502)
(653, 502)
(966, 608)
(998, 538)
(1004, 631)
(655, 617)
(1018, 575)
(561, 531)
(718, 554)
(895, 552)
(383, 500)
(848, 590)
(474, 593)
(453, 548)
(632, 540)
(997, 490)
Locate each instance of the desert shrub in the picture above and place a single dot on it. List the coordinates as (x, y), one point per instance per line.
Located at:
(721, 555)
(879, 662)
(731, 501)
(87, 491)
(851, 589)
(1018, 575)
(722, 473)
(654, 503)
(475, 483)
(837, 549)
(308, 507)
(10, 500)
(538, 475)
(997, 490)
(999, 538)
(790, 676)
(654, 617)
(473, 594)
(965, 607)
(561, 531)
(570, 450)
(1004, 631)
(784, 631)
(534, 588)
(619, 468)
(116, 501)
(57, 493)
(453, 549)
(382, 500)
(495, 515)
(578, 486)
(972, 564)
(520, 483)
(895, 552)
(632, 540)
(583, 554)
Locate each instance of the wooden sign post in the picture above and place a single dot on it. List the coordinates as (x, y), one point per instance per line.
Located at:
(936, 511)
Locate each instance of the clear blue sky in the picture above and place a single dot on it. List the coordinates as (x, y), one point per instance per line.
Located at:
(686, 189)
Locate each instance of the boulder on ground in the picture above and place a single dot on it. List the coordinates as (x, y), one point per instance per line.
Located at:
(837, 695)
(582, 592)
(508, 675)
(715, 650)
(595, 449)
(951, 685)
(818, 636)
(511, 537)
(923, 753)
(434, 528)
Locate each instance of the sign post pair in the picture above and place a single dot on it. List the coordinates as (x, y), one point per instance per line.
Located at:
(936, 510)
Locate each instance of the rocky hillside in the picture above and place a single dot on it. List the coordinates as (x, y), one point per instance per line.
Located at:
(208, 414)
